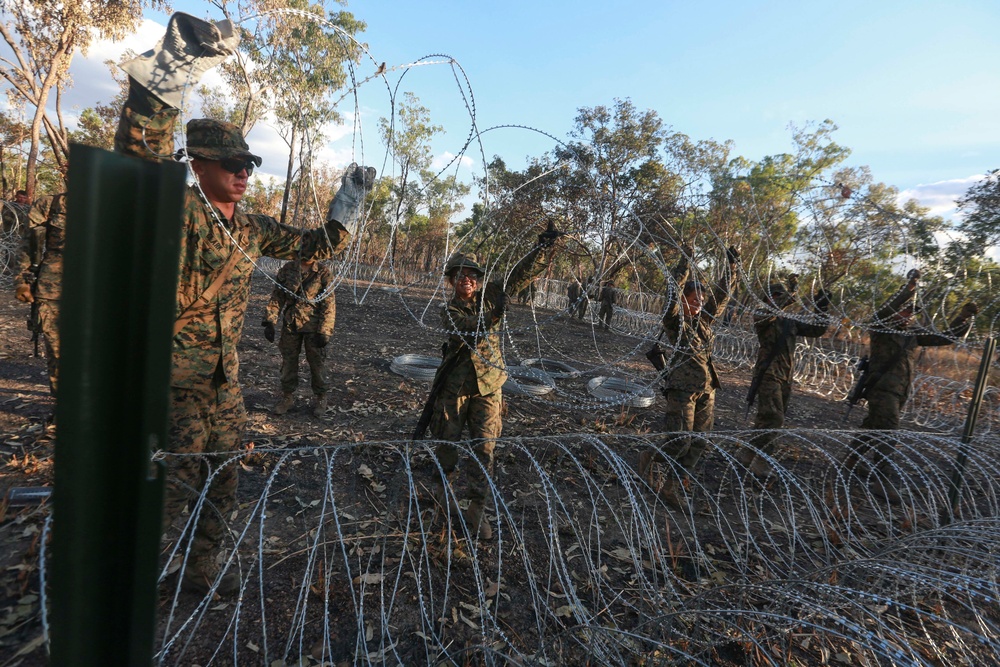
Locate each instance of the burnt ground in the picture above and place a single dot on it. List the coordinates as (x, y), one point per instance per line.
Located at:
(368, 403)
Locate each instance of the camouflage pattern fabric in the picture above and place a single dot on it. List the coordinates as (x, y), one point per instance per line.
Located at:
(290, 344)
(692, 412)
(207, 412)
(207, 420)
(48, 317)
(892, 355)
(475, 340)
(13, 218)
(775, 387)
(453, 411)
(299, 318)
(607, 305)
(692, 368)
(300, 314)
(46, 221)
(209, 340)
(471, 393)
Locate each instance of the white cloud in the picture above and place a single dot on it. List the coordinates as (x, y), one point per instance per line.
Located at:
(940, 197)
(445, 158)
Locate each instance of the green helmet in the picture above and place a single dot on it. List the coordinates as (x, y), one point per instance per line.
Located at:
(461, 260)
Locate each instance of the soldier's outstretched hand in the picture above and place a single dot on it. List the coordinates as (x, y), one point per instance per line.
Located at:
(355, 183)
(732, 255)
(969, 309)
(913, 275)
(23, 293)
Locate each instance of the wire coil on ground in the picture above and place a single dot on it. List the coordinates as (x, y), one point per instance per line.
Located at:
(529, 381)
(416, 366)
(552, 368)
(621, 391)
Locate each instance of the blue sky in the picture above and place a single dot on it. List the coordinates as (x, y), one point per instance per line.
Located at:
(914, 86)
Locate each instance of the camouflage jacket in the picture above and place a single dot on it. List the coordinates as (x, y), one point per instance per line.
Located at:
(607, 296)
(778, 336)
(690, 366)
(475, 341)
(14, 217)
(300, 315)
(208, 342)
(45, 238)
(573, 292)
(893, 353)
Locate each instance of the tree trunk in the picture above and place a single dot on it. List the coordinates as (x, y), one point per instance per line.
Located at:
(288, 174)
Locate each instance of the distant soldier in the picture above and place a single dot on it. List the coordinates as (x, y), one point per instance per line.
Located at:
(892, 358)
(41, 268)
(15, 213)
(772, 374)
(692, 380)
(467, 387)
(585, 295)
(607, 299)
(573, 291)
(303, 301)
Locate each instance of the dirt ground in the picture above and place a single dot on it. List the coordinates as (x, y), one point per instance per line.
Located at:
(367, 403)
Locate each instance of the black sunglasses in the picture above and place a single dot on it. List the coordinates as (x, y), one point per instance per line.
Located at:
(235, 165)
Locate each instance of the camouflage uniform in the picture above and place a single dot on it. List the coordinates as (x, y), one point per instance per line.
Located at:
(301, 317)
(573, 297)
(692, 380)
(13, 218)
(470, 394)
(45, 237)
(607, 305)
(777, 336)
(892, 358)
(207, 411)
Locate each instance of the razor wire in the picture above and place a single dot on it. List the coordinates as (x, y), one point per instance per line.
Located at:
(588, 564)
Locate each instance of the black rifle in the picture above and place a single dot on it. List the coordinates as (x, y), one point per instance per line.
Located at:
(786, 330)
(860, 388)
(439, 379)
(34, 322)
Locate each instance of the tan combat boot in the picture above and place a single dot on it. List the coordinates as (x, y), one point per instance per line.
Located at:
(475, 519)
(646, 465)
(668, 493)
(201, 573)
(319, 407)
(285, 404)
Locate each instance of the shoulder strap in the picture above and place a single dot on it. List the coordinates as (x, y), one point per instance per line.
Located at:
(210, 291)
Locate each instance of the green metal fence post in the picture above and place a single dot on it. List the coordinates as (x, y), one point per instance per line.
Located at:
(116, 323)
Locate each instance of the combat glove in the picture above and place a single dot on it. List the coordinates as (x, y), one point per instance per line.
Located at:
(189, 48)
(732, 255)
(268, 330)
(320, 339)
(822, 300)
(23, 293)
(354, 184)
(913, 275)
(548, 238)
(793, 283)
(968, 310)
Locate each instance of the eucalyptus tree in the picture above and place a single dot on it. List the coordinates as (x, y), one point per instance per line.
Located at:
(41, 39)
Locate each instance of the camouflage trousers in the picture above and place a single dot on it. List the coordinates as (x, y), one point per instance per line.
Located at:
(453, 411)
(884, 410)
(291, 344)
(204, 421)
(687, 412)
(581, 310)
(48, 317)
(605, 314)
(772, 404)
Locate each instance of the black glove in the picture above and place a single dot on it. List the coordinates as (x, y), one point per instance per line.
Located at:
(548, 238)
(732, 255)
(268, 330)
(499, 305)
(320, 339)
(793, 282)
(822, 300)
(968, 310)
(913, 275)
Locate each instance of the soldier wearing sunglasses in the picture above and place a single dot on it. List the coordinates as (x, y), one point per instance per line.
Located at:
(218, 245)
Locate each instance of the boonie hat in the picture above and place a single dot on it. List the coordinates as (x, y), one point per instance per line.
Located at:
(461, 260)
(212, 139)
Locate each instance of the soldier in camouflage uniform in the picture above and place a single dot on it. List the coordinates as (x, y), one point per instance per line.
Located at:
(892, 359)
(573, 296)
(303, 301)
(473, 371)
(692, 380)
(41, 279)
(218, 243)
(777, 337)
(15, 214)
(607, 305)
